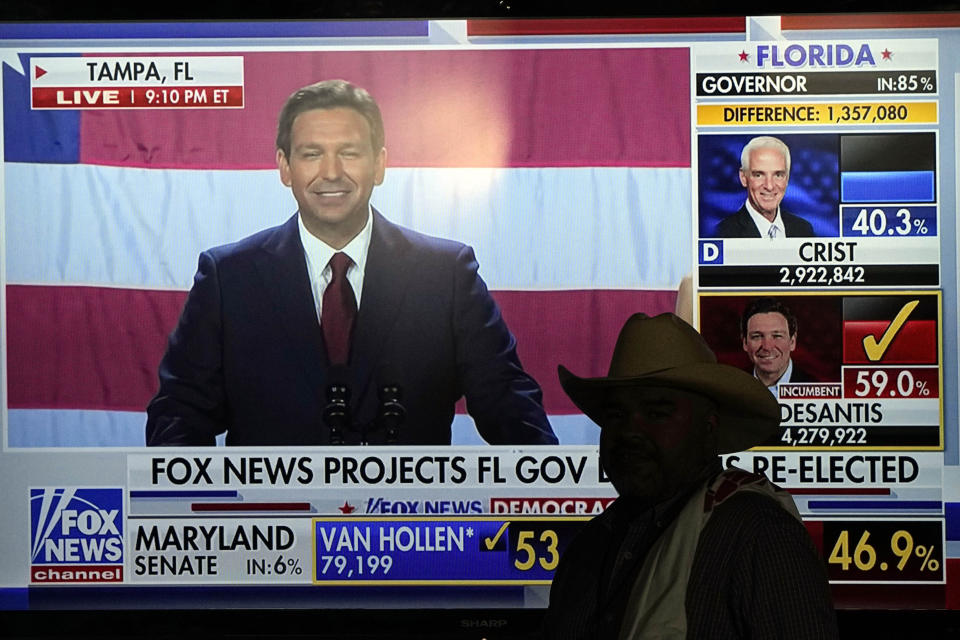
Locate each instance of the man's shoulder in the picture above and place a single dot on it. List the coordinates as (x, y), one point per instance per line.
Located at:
(431, 252)
(253, 243)
(748, 517)
(393, 232)
(737, 225)
(601, 525)
(799, 374)
(589, 543)
(796, 226)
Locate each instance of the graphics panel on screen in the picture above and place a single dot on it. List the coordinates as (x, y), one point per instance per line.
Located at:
(820, 185)
(590, 174)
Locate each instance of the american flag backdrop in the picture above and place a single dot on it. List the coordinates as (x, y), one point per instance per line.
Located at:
(567, 170)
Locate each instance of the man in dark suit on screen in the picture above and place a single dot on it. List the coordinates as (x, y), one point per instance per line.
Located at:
(764, 173)
(339, 298)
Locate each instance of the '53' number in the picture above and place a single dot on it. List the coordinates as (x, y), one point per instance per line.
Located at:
(548, 562)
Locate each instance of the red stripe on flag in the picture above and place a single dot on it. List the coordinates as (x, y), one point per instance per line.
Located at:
(492, 108)
(86, 347)
(577, 329)
(99, 348)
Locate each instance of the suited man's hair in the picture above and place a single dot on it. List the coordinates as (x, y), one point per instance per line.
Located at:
(767, 305)
(329, 94)
(764, 142)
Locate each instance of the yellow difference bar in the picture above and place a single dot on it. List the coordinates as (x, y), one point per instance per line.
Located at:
(817, 113)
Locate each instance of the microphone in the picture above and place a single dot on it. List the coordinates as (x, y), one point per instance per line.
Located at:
(391, 413)
(336, 413)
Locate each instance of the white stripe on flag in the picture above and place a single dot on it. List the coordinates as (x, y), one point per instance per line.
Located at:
(542, 229)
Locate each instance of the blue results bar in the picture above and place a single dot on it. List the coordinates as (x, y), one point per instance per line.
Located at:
(887, 186)
(479, 550)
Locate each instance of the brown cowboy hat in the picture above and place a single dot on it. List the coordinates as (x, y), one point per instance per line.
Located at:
(665, 351)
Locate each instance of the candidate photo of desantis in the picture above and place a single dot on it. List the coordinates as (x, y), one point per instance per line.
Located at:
(294, 335)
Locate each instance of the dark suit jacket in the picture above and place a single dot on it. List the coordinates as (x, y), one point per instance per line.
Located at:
(755, 573)
(740, 225)
(248, 358)
(799, 375)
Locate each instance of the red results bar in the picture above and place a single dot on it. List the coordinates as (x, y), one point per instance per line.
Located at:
(883, 342)
(183, 97)
(876, 382)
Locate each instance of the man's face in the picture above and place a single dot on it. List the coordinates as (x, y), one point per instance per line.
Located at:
(655, 441)
(332, 170)
(765, 180)
(768, 343)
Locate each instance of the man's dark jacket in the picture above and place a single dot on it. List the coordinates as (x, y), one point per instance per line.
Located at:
(248, 357)
(755, 574)
(741, 225)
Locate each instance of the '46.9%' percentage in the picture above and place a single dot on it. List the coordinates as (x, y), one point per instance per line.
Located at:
(884, 551)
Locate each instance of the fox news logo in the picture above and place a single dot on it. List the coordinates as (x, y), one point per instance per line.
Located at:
(382, 505)
(76, 535)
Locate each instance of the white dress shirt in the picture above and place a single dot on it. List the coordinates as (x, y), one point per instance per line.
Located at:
(763, 225)
(318, 254)
(784, 379)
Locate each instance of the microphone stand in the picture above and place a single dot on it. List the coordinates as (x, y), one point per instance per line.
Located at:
(336, 414)
(391, 413)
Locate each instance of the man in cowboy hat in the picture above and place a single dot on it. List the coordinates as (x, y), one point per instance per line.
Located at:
(688, 549)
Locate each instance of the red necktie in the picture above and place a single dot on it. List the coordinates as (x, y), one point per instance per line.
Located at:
(339, 310)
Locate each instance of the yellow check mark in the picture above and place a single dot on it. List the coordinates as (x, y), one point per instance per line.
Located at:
(492, 542)
(874, 349)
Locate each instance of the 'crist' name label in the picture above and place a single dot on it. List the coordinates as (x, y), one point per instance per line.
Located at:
(827, 251)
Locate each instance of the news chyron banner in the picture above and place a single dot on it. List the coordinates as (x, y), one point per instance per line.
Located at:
(358, 516)
(817, 210)
(155, 82)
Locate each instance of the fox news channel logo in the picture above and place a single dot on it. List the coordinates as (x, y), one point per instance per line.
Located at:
(76, 535)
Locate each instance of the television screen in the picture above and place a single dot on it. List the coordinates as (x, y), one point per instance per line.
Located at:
(580, 171)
